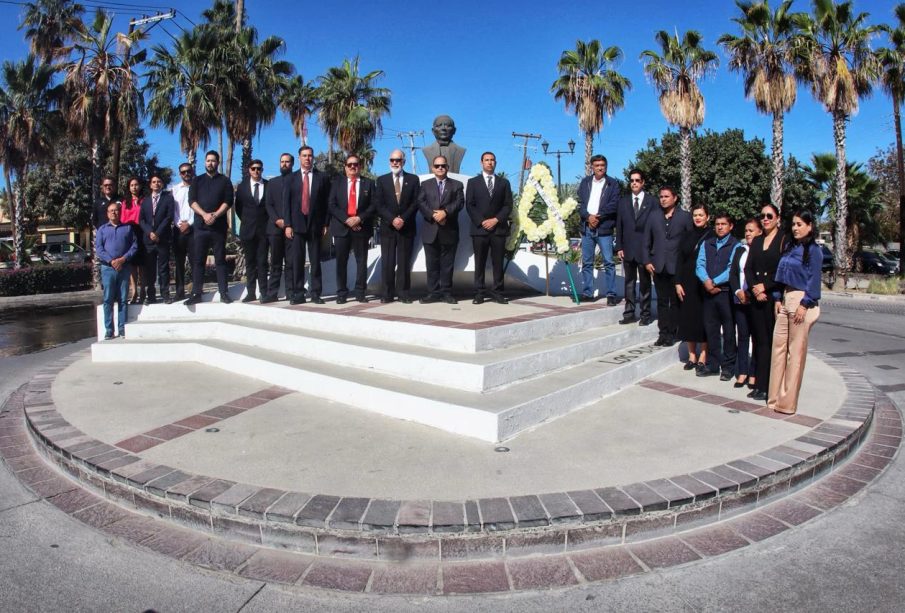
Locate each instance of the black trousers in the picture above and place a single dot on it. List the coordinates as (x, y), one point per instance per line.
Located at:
(295, 265)
(763, 319)
(157, 266)
(255, 251)
(635, 272)
(182, 251)
(204, 241)
(496, 245)
(439, 259)
(357, 243)
(667, 302)
(719, 327)
(745, 362)
(395, 261)
(278, 254)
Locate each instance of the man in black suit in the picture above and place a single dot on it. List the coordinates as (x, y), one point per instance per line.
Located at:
(663, 233)
(440, 201)
(276, 227)
(156, 221)
(351, 226)
(631, 217)
(305, 214)
(250, 206)
(396, 202)
(489, 204)
(108, 191)
(598, 198)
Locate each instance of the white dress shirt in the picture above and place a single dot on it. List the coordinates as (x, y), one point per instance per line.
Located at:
(596, 193)
(183, 210)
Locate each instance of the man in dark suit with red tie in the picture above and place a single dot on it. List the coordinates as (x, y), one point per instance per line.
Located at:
(440, 201)
(305, 212)
(396, 202)
(250, 207)
(488, 201)
(351, 226)
(156, 221)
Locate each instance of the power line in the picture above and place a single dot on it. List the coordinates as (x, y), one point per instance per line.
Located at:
(524, 148)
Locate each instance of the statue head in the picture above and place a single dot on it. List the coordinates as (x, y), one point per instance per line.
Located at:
(444, 129)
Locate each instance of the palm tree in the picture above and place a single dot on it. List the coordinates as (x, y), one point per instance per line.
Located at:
(588, 84)
(833, 56)
(51, 26)
(892, 60)
(675, 72)
(299, 101)
(179, 94)
(104, 100)
(352, 107)
(29, 117)
(764, 54)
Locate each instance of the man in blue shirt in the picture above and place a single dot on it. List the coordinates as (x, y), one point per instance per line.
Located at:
(712, 269)
(114, 247)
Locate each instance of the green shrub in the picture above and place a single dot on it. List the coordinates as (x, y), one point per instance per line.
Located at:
(48, 279)
(889, 286)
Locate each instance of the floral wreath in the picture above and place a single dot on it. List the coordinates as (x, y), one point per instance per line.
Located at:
(540, 183)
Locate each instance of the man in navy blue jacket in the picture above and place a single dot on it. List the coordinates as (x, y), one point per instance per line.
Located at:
(598, 197)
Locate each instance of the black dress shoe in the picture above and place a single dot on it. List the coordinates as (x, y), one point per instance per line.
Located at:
(758, 395)
(341, 300)
(268, 299)
(147, 301)
(478, 299)
(361, 298)
(645, 321)
(168, 300)
(706, 372)
(738, 385)
(193, 299)
(689, 365)
(295, 301)
(584, 298)
(249, 298)
(108, 336)
(499, 298)
(612, 301)
(406, 300)
(659, 341)
(430, 298)
(448, 299)
(315, 299)
(225, 299)
(385, 300)
(669, 341)
(180, 295)
(628, 319)
(725, 377)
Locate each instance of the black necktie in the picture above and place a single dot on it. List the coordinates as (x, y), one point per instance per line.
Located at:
(636, 206)
(257, 195)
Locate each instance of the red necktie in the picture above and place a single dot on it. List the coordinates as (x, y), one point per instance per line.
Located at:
(305, 195)
(353, 205)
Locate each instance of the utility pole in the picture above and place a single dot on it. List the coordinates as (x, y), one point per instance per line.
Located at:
(524, 148)
(411, 136)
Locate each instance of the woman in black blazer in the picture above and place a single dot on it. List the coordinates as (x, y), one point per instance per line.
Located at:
(745, 363)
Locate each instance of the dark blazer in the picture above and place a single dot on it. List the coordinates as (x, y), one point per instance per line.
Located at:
(762, 264)
(273, 204)
(609, 202)
(99, 215)
(338, 202)
(252, 214)
(429, 201)
(388, 209)
(160, 223)
(630, 229)
(481, 206)
(735, 269)
(292, 202)
(661, 248)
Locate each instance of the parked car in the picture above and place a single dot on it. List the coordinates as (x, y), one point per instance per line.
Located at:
(873, 263)
(61, 253)
(7, 254)
(893, 262)
(828, 263)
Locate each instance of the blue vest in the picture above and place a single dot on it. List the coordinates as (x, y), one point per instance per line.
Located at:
(718, 260)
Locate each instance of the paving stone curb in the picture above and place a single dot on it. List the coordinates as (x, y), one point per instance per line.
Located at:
(416, 567)
(490, 528)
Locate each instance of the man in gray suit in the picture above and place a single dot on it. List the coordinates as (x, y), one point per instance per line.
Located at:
(444, 129)
(631, 217)
(440, 201)
(662, 234)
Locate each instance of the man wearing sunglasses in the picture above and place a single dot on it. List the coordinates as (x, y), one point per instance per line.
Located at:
(440, 201)
(305, 218)
(631, 217)
(396, 201)
(250, 200)
(351, 227)
(183, 218)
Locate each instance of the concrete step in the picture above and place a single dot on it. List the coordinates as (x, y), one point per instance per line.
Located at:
(475, 372)
(493, 416)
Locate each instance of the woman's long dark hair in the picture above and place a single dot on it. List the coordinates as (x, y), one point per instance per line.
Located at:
(807, 217)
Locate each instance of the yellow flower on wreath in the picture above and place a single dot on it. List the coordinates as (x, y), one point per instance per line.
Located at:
(540, 176)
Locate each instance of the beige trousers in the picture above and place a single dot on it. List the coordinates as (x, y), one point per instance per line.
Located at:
(790, 351)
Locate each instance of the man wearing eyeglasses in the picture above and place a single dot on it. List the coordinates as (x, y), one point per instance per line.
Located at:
(631, 217)
(183, 218)
(396, 201)
(108, 195)
(250, 199)
(440, 201)
(598, 197)
(351, 227)
(305, 215)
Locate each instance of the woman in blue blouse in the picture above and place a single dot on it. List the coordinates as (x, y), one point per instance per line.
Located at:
(797, 297)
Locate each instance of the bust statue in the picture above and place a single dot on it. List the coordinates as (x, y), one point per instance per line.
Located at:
(444, 129)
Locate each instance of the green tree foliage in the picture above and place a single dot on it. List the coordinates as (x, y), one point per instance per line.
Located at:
(882, 168)
(728, 173)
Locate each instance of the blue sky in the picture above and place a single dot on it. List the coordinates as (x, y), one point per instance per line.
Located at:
(490, 66)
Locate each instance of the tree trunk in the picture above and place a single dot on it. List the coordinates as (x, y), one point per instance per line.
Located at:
(193, 160)
(11, 205)
(228, 170)
(778, 162)
(588, 152)
(840, 239)
(246, 156)
(96, 170)
(115, 155)
(18, 223)
(220, 140)
(685, 157)
(900, 167)
(330, 150)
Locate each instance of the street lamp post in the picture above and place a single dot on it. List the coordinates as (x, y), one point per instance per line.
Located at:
(559, 155)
